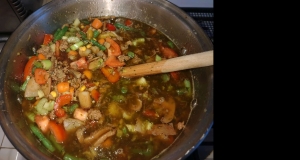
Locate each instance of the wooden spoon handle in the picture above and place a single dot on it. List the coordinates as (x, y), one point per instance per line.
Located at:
(196, 60)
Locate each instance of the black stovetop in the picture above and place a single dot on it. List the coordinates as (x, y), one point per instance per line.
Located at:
(205, 18)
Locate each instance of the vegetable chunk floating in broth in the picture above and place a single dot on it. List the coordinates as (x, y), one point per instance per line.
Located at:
(78, 106)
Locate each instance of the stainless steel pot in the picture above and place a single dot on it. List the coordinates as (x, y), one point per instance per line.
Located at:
(163, 15)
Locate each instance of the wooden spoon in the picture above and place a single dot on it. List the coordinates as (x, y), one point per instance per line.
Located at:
(196, 60)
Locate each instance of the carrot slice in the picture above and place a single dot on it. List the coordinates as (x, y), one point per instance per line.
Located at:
(111, 74)
(95, 94)
(58, 131)
(114, 47)
(41, 56)
(96, 23)
(112, 61)
(40, 76)
(63, 87)
(28, 67)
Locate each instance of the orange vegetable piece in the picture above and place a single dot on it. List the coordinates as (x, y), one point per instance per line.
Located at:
(41, 76)
(95, 94)
(57, 51)
(41, 56)
(101, 40)
(96, 23)
(42, 122)
(114, 47)
(58, 131)
(107, 143)
(111, 74)
(62, 100)
(47, 38)
(72, 53)
(168, 52)
(112, 61)
(60, 112)
(63, 87)
(88, 74)
(28, 67)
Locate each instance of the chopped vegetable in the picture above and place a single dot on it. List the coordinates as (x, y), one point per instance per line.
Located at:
(42, 122)
(47, 64)
(42, 138)
(112, 61)
(111, 74)
(41, 76)
(96, 23)
(80, 114)
(110, 27)
(47, 39)
(63, 87)
(28, 67)
(62, 100)
(85, 99)
(95, 94)
(60, 34)
(58, 131)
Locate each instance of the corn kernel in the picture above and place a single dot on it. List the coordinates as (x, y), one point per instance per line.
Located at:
(53, 93)
(82, 48)
(82, 88)
(96, 83)
(88, 46)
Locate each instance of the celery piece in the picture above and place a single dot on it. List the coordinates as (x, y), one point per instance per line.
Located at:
(157, 58)
(137, 41)
(76, 45)
(47, 64)
(23, 87)
(165, 77)
(130, 54)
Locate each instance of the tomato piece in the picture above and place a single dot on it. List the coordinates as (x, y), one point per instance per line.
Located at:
(82, 63)
(175, 75)
(95, 94)
(42, 122)
(58, 131)
(59, 112)
(150, 113)
(111, 74)
(47, 38)
(40, 76)
(28, 67)
(128, 22)
(168, 52)
(62, 100)
(110, 27)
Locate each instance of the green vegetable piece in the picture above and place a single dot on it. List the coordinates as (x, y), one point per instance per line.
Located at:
(58, 146)
(170, 44)
(187, 84)
(30, 116)
(122, 26)
(56, 32)
(23, 87)
(38, 64)
(165, 77)
(60, 34)
(83, 35)
(85, 21)
(46, 63)
(130, 54)
(96, 33)
(118, 98)
(77, 45)
(67, 156)
(39, 107)
(72, 108)
(137, 41)
(157, 58)
(36, 131)
(124, 89)
(100, 46)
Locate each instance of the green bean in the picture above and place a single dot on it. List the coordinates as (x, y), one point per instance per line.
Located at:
(96, 33)
(98, 45)
(57, 145)
(83, 35)
(36, 131)
(60, 34)
(23, 87)
(72, 108)
(30, 116)
(121, 26)
(70, 157)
